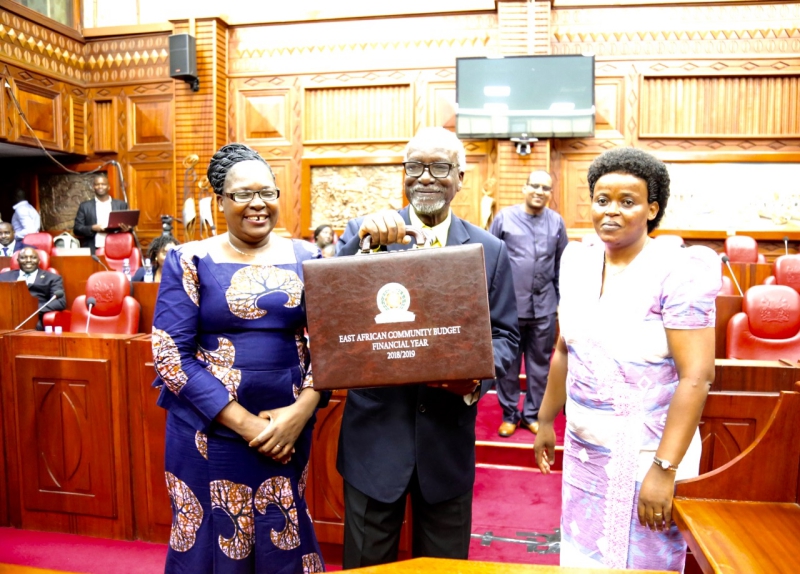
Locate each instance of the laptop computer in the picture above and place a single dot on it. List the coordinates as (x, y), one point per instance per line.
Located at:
(129, 217)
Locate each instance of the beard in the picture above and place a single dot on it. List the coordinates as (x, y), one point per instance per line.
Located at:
(426, 205)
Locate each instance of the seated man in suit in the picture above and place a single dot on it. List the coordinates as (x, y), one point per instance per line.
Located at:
(91, 222)
(420, 439)
(41, 284)
(8, 242)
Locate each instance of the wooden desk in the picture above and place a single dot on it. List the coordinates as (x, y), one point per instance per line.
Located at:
(20, 305)
(755, 376)
(744, 516)
(75, 271)
(735, 536)
(442, 566)
(146, 294)
(727, 307)
(5, 261)
(65, 418)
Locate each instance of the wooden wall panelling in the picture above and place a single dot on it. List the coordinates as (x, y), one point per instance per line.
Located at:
(105, 132)
(577, 205)
(68, 394)
(150, 191)
(467, 202)
(7, 417)
(200, 116)
(151, 503)
(514, 169)
(440, 103)
(263, 117)
(42, 109)
(78, 114)
(150, 122)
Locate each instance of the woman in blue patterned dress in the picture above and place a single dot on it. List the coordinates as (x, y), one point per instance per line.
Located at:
(232, 359)
(633, 365)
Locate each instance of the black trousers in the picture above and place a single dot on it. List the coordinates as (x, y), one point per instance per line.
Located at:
(372, 528)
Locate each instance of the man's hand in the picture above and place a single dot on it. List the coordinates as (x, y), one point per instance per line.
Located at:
(384, 227)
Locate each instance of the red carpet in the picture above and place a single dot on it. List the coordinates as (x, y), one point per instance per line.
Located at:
(80, 553)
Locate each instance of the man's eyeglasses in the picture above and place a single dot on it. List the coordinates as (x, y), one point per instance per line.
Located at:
(535, 186)
(247, 196)
(436, 169)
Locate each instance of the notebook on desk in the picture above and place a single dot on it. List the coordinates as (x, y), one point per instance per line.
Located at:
(129, 217)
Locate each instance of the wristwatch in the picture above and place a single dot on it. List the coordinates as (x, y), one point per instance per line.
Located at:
(664, 464)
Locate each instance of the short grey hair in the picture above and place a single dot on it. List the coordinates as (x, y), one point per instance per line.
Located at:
(438, 137)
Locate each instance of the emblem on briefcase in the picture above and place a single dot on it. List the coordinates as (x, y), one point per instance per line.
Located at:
(393, 301)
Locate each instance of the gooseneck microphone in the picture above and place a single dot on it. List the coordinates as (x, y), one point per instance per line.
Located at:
(786, 244)
(727, 262)
(96, 258)
(90, 302)
(56, 295)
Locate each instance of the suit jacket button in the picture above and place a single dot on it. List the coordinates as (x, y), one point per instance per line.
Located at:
(422, 408)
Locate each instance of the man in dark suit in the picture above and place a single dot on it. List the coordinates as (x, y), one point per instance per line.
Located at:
(420, 439)
(41, 284)
(8, 242)
(91, 222)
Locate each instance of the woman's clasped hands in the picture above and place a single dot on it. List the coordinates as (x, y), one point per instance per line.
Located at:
(276, 439)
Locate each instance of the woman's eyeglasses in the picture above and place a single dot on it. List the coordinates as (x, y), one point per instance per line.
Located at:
(247, 196)
(437, 169)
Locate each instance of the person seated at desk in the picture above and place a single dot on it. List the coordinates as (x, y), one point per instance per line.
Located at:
(8, 242)
(91, 221)
(41, 284)
(157, 253)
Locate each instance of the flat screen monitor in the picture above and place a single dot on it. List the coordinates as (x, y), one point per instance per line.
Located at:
(525, 97)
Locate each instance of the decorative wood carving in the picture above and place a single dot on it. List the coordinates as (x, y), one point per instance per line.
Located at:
(127, 60)
(441, 105)
(366, 114)
(104, 113)
(42, 109)
(263, 117)
(150, 191)
(577, 205)
(150, 122)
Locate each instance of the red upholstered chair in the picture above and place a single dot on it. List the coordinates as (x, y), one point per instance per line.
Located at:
(42, 241)
(727, 287)
(768, 328)
(44, 262)
(120, 246)
(675, 240)
(115, 311)
(786, 272)
(743, 249)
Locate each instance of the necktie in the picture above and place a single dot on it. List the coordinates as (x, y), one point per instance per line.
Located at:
(432, 235)
(5, 251)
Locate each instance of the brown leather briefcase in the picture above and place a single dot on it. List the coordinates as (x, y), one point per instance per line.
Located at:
(391, 318)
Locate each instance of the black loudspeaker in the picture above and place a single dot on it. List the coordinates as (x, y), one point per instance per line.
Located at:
(183, 59)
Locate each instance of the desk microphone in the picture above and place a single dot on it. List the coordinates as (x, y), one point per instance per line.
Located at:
(57, 295)
(90, 302)
(786, 244)
(96, 258)
(727, 262)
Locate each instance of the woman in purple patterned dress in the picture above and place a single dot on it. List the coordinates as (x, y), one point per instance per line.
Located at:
(232, 360)
(633, 366)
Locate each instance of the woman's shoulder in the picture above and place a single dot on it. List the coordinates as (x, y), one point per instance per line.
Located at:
(305, 250)
(677, 258)
(195, 249)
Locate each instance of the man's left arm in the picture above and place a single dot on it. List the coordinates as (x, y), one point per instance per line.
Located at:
(503, 312)
(57, 284)
(561, 243)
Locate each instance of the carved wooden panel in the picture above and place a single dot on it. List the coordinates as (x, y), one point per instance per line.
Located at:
(150, 191)
(753, 107)
(609, 96)
(127, 60)
(64, 408)
(730, 423)
(77, 122)
(467, 202)
(263, 117)
(289, 206)
(325, 485)
(576, 207)
(42, 109)
(150, 122)
(151, 504)
(365, 113)
(441, 105)
(104, 113)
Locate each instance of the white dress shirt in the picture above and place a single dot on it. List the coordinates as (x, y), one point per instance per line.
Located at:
(25, 219)
(103, 209)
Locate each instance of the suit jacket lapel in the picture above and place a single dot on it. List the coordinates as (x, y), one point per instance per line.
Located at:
(458, 234)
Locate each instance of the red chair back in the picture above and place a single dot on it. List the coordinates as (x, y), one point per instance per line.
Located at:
(121, 246)
(41, 241)
(787, 271)
(115, 311)
(44, 262)
(743, 249)
(768, 328)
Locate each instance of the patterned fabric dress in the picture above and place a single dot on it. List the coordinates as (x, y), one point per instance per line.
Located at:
(620, 382)
(222, 332)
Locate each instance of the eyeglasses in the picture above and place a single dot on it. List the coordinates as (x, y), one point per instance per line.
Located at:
(436, 169)
(247, 196)
(535, 186)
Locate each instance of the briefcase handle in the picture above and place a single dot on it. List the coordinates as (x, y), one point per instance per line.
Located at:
(418, 234)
